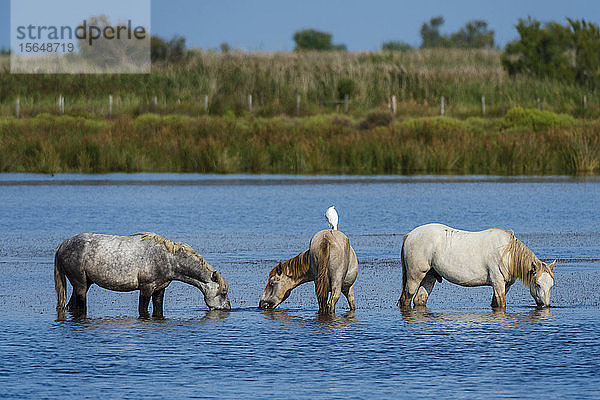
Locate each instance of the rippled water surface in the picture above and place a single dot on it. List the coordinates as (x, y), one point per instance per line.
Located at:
(243, 225)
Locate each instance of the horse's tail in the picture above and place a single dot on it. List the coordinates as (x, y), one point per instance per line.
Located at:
(403, 261)
(323, 285)
(60, 283)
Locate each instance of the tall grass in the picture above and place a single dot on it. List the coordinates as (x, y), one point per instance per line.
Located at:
(417, 78)
(329, 144)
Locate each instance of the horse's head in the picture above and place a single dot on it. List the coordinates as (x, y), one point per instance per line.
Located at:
(215, 292)
(542, 282)
(278, 288)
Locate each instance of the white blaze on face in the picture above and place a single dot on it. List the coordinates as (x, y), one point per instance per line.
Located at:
(540, 289)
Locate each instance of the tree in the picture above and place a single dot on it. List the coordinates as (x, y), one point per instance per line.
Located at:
(395, 45)
(585, 37)
(311, 39)
(541, 51)
(111, 48)
(430, 33)
(474, 35)
(171, 51)
(225, 47)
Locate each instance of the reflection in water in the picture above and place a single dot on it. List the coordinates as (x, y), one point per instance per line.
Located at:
(422, 314)
(77, 315)
(78, 319)
(215, 315)
(328, 320)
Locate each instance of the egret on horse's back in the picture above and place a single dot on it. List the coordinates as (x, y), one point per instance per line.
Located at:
(332, 218)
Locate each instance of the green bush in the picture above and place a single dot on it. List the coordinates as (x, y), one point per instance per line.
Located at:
(395, 45)
(431, 126)
(346, 87)
(377, 118)
(531, 118)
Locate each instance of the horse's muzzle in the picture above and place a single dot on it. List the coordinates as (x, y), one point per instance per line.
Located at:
(226, 306)
(263, 304)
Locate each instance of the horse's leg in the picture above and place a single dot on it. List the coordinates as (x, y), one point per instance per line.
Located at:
(349, 293)
(71, 305)
(77, 302)
(157, 303)
(425, 289)
(336, 291)
(413, 281)
(143, 303)
(501, 304)
(499, 300)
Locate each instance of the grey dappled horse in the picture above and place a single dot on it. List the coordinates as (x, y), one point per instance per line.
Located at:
(145, 262)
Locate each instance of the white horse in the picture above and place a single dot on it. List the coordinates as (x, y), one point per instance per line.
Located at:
(494, 257)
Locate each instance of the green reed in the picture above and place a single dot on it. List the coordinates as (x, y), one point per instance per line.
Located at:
(524, 142)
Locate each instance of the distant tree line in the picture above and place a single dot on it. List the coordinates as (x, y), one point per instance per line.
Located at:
(474, 35)
(569, 53)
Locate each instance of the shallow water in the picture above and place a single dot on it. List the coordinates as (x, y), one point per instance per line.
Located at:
(243, 225)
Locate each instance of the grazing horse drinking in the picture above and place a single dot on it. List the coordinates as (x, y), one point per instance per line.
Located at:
(494, 257)
(145, 262)
(330, 261)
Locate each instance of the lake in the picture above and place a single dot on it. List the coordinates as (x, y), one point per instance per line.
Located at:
(243, 225)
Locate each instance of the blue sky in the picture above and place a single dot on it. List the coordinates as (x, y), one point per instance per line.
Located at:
(268, 25)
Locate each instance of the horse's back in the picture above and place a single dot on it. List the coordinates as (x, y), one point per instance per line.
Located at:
(70, 252)
(342, 258)
(435, 235)
(111, 261)
(459, 256)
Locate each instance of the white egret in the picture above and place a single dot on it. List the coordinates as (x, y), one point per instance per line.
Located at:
(332, 217)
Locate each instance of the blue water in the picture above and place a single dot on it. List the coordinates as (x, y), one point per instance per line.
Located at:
(243, 225)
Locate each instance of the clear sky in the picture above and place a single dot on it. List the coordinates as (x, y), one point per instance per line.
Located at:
(268, 25)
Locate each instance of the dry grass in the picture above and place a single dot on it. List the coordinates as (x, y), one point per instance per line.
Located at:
(417, 78)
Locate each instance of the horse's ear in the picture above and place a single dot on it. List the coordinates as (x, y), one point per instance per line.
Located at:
(215, 276)
(279, 269)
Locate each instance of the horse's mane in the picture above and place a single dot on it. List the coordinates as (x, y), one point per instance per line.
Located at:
(174, 247)
(521, 260)
(295, 267)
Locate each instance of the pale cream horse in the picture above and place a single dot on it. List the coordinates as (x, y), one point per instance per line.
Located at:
(494, 257)
(330, 262)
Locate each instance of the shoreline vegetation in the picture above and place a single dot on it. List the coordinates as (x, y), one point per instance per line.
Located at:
(524, 142)
(530, 125)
